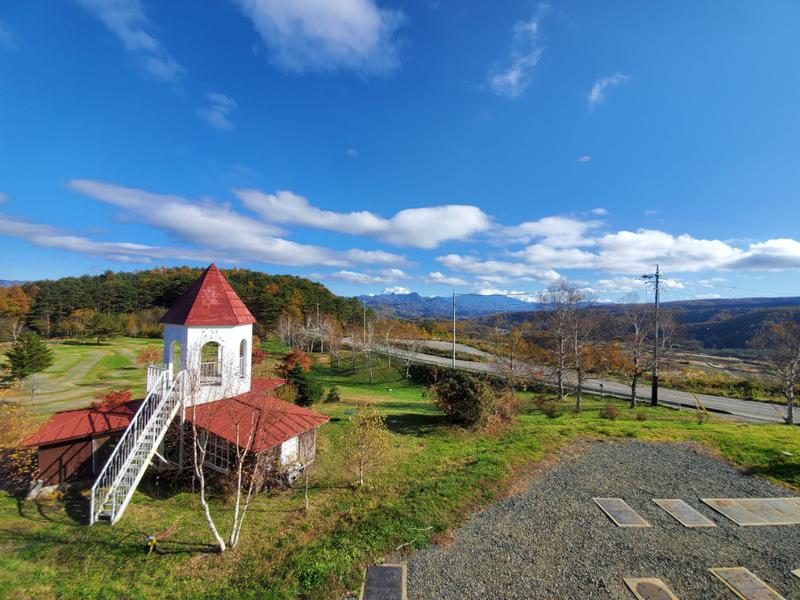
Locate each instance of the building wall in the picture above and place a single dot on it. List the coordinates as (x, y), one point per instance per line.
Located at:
(192, 339)
(70, 460)
(75, 459)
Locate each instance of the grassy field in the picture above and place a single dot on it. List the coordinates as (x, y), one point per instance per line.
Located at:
(433, 477)
(80, 371)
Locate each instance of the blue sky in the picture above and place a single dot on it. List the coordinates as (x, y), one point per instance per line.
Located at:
(429, 146)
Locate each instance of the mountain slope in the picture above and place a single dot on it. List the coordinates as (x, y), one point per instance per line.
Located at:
(413, 305)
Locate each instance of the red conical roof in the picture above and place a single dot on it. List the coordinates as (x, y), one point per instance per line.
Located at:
(210, 301)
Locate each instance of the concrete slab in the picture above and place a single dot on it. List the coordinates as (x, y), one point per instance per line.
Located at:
(796, 572)
(649, 588)
(754, 512)
(619, 512)
(683, 513)
(745, 585)
(385, 582)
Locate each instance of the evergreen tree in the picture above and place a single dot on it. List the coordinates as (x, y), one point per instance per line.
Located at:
(28, 355)
(103, 326)
(309, 390)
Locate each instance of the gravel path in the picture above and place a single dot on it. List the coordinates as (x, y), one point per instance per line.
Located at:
(553, 542)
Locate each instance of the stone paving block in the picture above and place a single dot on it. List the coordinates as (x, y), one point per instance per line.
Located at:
(683, 513)
(619, 512)
(745, 584)
(649, 588)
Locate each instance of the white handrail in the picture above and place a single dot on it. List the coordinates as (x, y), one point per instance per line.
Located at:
(161, 402)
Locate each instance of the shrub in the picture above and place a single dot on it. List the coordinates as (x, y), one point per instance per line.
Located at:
(547, 405)
(112, 398)
(287, 392)
(641, 416)
(610, 412)
(458, 395)
(148, 356)
(701, 417)
(257, 356)
(470, 401)
(333, 395)
(292, 360)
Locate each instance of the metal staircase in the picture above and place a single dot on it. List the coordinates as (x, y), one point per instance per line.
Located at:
(125, 467)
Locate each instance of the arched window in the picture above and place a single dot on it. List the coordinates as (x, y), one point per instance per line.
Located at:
(243, 359)
(175, 357)
(210, 364)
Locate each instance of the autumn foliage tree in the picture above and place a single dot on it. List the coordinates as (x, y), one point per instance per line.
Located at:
(112, 398)
(297, 357)
(779, 346)
(366, 440)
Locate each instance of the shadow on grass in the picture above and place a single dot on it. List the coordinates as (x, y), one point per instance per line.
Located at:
(415, 424)
(778, 469)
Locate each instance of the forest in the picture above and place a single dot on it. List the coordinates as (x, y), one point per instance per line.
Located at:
(133, 302)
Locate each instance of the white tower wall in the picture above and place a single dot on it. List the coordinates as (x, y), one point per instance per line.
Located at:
(207, 382)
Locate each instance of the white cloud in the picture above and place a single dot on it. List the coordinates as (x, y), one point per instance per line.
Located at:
(415, 227)
(637, 252)
(635, 284)
(513, 79)
(384, 276)
(584, 158)
(3, 197)
(396, 290)
(323, 35)
(352, 152)
(217, 227)
(50, 237)
(554, 231)
(599, 211)
(470, 264)
(437, 277)
(217, 113)
(128, 21)
(516, 294)
(598, 91)
(707, 296)
(7, 38)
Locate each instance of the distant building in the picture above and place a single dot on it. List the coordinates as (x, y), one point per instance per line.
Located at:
(205, 380)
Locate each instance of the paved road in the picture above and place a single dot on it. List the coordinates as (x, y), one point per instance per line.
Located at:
(747, 410)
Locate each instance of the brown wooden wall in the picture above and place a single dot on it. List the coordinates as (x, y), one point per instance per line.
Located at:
(73, 460)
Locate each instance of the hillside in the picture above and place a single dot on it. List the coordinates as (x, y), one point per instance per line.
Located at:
(410, 306)
(709, 324)
(119, 293)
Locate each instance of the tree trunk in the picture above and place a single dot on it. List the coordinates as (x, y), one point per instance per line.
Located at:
(790, 404)
(634, 381)
(306, 490)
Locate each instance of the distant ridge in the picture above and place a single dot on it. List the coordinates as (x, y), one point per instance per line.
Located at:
(10, 282)
(413, 305)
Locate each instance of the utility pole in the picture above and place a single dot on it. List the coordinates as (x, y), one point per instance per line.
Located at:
(656, 277)
(454, 329)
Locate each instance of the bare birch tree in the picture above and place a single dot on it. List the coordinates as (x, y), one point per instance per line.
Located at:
(779, 346)
(559, 300)
(245, 467)
(635, 333)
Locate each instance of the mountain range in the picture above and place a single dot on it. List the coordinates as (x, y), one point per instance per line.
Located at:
(413, 305)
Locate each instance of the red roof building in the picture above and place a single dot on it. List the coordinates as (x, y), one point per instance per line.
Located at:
(86, 422)
(74, 444)
(210, 301)
(271, 420)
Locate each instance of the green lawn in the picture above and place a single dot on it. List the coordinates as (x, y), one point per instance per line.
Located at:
(80, 371)
(433, 477)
